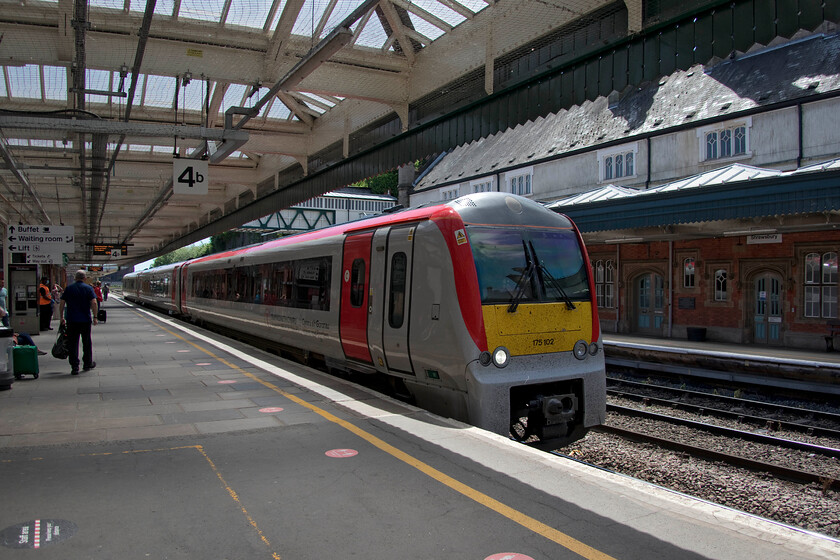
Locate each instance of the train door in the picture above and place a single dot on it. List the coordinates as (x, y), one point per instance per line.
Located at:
(395, 322)
(182, 304)
(175, 291)
(355, 287)
(650, 304)
(767, 309)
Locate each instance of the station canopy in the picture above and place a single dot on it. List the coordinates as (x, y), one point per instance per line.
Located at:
(100, 99)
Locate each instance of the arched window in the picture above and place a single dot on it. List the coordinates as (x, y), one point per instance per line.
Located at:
(688, 272)
(604, 272)
(720, 285)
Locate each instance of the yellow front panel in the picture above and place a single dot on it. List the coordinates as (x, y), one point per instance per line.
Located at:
(537, 328)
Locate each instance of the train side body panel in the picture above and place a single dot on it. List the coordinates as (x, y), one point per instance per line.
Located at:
(465, 303)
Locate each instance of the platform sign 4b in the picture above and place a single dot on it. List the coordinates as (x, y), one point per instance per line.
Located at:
(189, 176)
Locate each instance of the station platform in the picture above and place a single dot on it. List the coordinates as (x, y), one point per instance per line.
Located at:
(183, 444)
(786, 368)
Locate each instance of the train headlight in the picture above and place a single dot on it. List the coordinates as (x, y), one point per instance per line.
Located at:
(501, 357)
(580, 349)
(593, 348)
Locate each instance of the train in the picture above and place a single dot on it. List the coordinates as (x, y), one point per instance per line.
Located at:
(480, 308)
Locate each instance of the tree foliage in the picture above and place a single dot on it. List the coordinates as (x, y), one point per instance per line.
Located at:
(182, 254)
(382, 184)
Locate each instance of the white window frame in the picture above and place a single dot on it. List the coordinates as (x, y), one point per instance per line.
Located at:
(721, 284)
(604, 272)
(607, 157)
(483, 185)
(524, 177)
(820, 285)
(731, 126)
(449, 194)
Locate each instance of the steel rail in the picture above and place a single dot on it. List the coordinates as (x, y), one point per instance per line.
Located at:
(730, 432)
(780, 471)
(827, 416)
(771, 423)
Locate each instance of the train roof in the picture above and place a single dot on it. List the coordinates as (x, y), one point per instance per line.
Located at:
(491, 208)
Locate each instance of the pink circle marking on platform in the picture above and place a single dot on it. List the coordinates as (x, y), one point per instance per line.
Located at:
(204, 364)
(508, 556)
(341, 453)
(183, 351)
(270, 409)
(227, 381)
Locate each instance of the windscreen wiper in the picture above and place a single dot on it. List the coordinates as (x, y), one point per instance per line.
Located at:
(523, 282)
(551, 280)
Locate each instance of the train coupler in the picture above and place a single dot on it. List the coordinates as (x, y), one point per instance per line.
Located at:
(548, 417)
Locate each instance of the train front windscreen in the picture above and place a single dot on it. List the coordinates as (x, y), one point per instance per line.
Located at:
(528, 266)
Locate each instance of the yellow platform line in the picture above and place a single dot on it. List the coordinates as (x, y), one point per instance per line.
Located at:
(514, 515)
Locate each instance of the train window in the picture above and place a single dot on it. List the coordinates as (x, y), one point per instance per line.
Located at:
(357, 283)
(304, 284)
(396, 301)
(312, 283)
(532, 265)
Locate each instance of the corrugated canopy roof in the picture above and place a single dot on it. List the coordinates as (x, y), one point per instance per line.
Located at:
(734, 192)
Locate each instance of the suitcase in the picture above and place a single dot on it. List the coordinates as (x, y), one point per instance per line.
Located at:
(101, 315)
(25, 360)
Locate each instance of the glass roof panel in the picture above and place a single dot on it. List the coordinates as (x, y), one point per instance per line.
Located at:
(321, 99)
(42, 143)
(307, 100)
(233, 97)
(278, 110)
(248, 13)
(309, 17)
(341, 11)
(434, 7)
(192, 97)
(98, 80)
(114, 4)
(25, 81)
(424, 27)
(162, 7)
(277, 15)
(204, 10)
(474, 5)
(160, 91)
(55, 82)
(373, 35)
(3, 92)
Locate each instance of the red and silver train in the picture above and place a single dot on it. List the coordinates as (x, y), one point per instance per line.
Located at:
(482, 309)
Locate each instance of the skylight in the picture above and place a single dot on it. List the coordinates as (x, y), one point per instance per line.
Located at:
(248, 13)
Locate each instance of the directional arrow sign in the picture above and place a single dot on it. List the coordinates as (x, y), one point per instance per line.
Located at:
(43, 258)
(41, 238)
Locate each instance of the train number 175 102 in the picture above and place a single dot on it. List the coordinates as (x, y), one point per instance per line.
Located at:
(543, 342)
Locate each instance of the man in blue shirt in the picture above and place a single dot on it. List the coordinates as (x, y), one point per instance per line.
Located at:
(80, 301)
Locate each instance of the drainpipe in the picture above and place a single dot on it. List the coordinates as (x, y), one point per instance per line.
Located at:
(670, 287)
(799, 117)
(618, 293)
(649, 158)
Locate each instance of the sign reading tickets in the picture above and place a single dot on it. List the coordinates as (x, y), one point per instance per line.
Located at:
(189, 176)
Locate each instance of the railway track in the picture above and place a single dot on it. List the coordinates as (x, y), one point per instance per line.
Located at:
(769, 416)
(827, 476)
